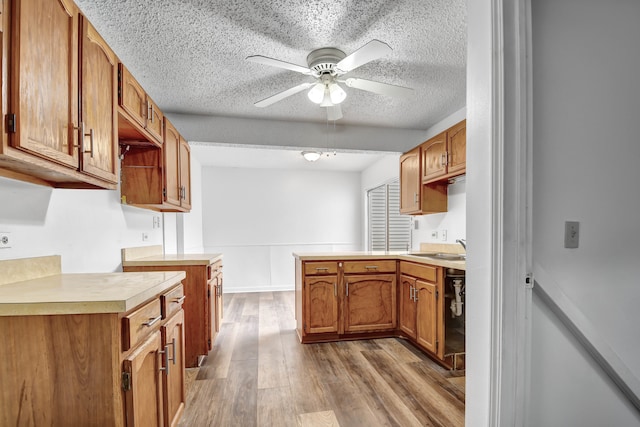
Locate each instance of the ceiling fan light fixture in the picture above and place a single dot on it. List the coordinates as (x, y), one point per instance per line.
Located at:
(326, 100)
(336, 93)
(316, 94)
(311, 156)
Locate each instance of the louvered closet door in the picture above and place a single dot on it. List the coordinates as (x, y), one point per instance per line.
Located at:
(388, 229)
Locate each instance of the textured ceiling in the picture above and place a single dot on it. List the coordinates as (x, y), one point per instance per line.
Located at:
(189, 55)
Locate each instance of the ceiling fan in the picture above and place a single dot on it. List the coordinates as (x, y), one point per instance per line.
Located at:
(327, 65)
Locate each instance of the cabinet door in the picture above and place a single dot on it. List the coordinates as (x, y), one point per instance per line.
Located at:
(173, 380)
(155, 119)
(133, 98)
(44, 79)
(410, 182)
(98, 106)
(426, 316)
(218, 302)
(370, 302)
(434, 152)
(321, 302)
(171, 149)
(185, 174)
(457, 146)
(407, 306)
(143, 396)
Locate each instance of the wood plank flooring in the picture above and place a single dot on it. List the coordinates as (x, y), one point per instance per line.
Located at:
(258, 374)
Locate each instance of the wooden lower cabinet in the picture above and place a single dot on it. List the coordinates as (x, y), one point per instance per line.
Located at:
(365, 298)
(98, 369)
(407, 323)
(370, 302)
(173, 381)
(143, 392)
(203, 302)
(321, 298)
(421, 309)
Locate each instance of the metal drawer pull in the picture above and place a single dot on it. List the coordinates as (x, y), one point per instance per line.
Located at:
(322, 268)
(153, 320)
(180, 300)
(371, 267)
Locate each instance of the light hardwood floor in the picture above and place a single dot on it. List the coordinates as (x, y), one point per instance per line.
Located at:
(258, 374)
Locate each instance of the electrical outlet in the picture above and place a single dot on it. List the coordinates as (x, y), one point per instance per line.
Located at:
(156, 222)
(434, 234)
(145, 237)
(443, 235)
(5, 240)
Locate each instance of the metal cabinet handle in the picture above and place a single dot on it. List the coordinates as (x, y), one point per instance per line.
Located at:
(180, 300)
(371, 267)
(152, 320)
(150, 111)
(411, 291)
(322, 268)
(415, 197)
(173, 359)
(166, 359)
(335, 289)
(347, 288)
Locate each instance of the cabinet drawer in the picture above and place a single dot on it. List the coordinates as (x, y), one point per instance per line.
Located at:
(374, 266)
(172, 301)
(421, 271)
(214, 269)
(320, 267)
(138, 324)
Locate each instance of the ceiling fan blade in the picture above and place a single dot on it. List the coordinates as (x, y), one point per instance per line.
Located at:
(379, 88)
(277, 63)
(282, 95)
(373, 50)
(334, 113)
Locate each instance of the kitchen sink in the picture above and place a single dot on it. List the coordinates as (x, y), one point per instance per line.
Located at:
(442, 256)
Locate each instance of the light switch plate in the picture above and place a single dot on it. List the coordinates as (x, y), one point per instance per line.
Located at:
(571, 234)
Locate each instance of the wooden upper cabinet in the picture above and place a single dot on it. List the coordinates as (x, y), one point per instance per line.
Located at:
(434, 153)
(457, 140)
(445, 155)
(185, 174)
(98, 109)
(410, 182)
(171, 150)
(142, 120)
(60, 112)
(155, 118)
(44, 79)
(133, 98)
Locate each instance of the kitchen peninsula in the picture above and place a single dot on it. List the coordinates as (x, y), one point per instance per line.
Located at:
(359, 295)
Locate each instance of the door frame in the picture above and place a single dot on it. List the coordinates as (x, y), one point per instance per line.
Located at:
(498, 211)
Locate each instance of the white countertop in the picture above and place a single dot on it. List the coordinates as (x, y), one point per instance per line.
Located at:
(173, 259)
(84, 293)
(394, 255)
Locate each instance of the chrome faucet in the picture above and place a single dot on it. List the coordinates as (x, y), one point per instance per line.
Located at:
(463, 242)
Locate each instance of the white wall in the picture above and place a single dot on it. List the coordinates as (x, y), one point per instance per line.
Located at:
(586, 104)
(86, 227)
(192, 221)
(258, 217)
